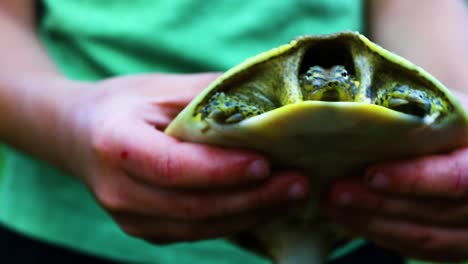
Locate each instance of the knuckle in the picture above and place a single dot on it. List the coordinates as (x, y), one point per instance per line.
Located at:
(102, 143)
(111, 200)
(166, 167)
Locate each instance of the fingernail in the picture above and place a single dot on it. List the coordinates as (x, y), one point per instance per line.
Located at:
(297, 191)
(379, 180)
(258, 169)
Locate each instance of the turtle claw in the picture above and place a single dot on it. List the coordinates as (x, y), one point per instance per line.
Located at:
(428, 120)
(237, 117)
(416, 107)
(216, 114)
(223, 111)
(394, 102)
(233, 108)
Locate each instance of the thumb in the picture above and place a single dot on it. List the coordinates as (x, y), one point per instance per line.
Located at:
(179, 89)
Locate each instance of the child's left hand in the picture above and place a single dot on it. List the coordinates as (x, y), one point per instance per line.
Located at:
(417, 207)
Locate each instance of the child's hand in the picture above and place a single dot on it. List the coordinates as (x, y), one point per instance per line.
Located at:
(156, 187)
(417, 207)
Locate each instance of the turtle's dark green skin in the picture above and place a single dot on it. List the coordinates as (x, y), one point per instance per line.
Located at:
(237, 106)
(329, 105)
(320, 84)
(422, 103)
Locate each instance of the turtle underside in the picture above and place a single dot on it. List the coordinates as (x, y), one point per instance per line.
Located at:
(329, 105)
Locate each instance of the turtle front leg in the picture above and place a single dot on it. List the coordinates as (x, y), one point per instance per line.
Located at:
(422, 103)
(235, 107)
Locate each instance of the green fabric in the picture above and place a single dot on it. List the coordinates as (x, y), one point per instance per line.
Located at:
(92, 40)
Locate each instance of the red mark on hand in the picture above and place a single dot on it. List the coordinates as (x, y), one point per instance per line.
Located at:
(124, 155)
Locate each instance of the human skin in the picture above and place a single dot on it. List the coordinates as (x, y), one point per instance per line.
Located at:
(416, 207)
(111, 145)
(108, 134)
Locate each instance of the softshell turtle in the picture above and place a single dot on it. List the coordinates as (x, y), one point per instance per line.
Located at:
(329, 105)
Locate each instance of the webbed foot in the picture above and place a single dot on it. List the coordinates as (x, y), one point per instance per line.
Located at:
(230, 109)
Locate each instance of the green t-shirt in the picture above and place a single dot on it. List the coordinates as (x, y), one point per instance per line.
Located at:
(91, 40)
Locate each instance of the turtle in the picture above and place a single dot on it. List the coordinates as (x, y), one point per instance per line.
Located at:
(329, 105)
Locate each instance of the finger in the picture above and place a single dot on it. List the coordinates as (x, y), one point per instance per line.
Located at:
(160, 160)
(176, 89)
(416, 253)
(189, 165)
(182, 88)
(130, 197)
(409, 238)
(351, 196)
(168, 94)
(436, 176)
(167, 231)
(414, 240)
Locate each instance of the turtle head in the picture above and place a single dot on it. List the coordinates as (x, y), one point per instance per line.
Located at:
(334, 84)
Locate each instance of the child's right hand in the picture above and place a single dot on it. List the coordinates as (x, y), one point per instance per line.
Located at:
(155, 186)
